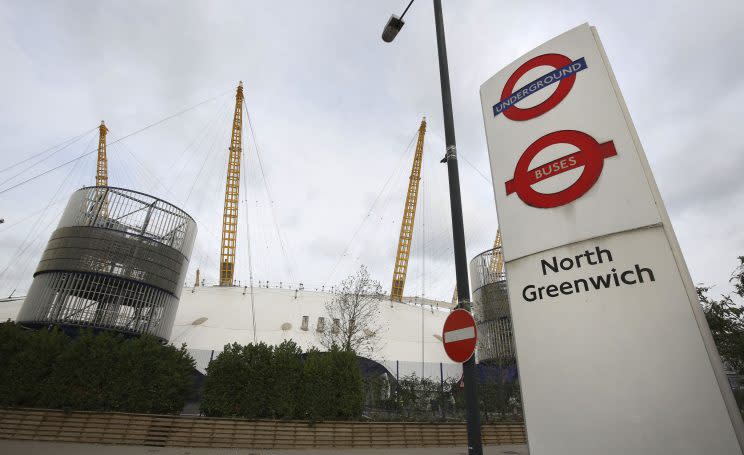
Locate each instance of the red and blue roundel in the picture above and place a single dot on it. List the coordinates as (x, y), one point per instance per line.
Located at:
(564, 74)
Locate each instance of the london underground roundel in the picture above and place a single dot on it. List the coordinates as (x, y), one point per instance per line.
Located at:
(563, 73)
(459, 335)
(590, 154)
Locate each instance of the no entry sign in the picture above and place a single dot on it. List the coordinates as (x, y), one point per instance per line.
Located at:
(459, 336)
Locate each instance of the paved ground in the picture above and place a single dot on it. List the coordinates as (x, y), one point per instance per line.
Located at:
(62, 448)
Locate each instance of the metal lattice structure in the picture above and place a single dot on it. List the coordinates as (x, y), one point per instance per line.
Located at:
(232, 186)
(403, 253)
(496, 265)
(121, 269)
(491, 306)
(102, 163)
(497, 260)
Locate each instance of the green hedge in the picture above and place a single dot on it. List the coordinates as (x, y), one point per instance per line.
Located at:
(245, 381)
(332, 386)
(27, 360)
(101, 372)
(262, 381)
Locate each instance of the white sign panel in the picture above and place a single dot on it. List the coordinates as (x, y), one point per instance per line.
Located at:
(564, 145)
(614, 353)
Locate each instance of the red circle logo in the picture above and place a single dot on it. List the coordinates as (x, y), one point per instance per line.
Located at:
(590, 154)
(564, 86)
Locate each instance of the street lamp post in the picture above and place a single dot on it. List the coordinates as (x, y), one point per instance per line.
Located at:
(392, 28)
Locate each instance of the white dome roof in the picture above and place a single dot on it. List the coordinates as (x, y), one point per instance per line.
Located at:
(210, 317)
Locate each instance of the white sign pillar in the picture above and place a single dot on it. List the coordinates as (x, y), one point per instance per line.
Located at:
(614, 353)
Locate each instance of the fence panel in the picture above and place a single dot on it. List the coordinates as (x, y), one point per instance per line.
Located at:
(183, 431)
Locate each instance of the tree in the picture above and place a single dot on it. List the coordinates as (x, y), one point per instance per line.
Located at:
(726, 320)
(353, 315)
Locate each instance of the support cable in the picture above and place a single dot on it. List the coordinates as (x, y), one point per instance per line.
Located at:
(209, 154)
(371, 209)
(121, 174)
(10, 179)
(28, 217)
(25, 244)
(114, 142)
(62, 144)
(248, 243)
(145, 174)
(268, 193)
(199, 137)
(212, 174)
(423, 261)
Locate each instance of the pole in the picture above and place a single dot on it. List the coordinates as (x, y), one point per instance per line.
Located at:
(458, 234)
(441, 389)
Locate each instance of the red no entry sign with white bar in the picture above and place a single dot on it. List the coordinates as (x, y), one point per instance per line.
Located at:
(459, 335)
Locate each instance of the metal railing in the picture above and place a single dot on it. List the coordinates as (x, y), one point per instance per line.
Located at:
(117, 261)
(491, 307)
(131, 212)
(484, 269)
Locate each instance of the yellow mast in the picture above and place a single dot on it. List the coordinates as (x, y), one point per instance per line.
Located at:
(102, 170)
(406, 226)
(102, 167)
(230, 214)
(497, 260)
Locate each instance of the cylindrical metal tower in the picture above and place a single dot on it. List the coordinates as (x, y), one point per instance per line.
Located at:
(117, 261)
(491, 308)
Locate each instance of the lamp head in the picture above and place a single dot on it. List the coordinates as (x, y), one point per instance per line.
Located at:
(393, 26)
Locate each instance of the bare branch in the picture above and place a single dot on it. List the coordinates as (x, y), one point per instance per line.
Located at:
(353, 314)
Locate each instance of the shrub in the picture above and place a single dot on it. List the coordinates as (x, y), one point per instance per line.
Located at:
(151, 378)
(96, 372)
(316, 403)
(254, 381)
(261, 381)
(287, 380)
(418, 397)
(332, 386)
(220, 391)
(83, 373)
(233, 386)
(346, 384)
(379, 393)
(26, 359)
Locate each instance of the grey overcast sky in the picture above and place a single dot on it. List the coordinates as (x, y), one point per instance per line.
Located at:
(334, 110)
